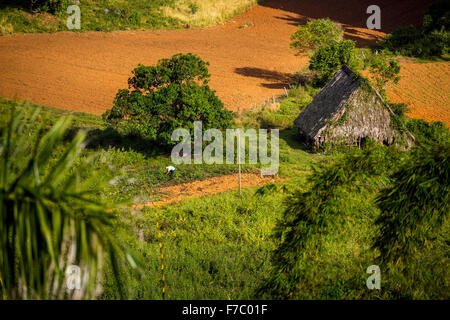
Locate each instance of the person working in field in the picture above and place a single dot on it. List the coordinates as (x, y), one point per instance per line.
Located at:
(170, 170)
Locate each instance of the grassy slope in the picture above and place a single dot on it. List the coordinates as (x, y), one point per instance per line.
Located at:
(136, 167)
(219, 242)
(219, 247)
(108, 15)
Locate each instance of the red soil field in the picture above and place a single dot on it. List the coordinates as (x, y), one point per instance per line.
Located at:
(426, 88)
(83, 71)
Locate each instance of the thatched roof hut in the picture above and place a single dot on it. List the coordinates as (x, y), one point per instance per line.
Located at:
(348, 109)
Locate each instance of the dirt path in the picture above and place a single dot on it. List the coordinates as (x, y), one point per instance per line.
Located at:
(83, 71)
(210, 186)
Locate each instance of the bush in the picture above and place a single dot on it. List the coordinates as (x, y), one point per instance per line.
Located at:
(416, 205)
(433, 40)
(311, 216)
(173, 94)
(437, 17)
(51, 6)
(399, 109)
(427, 133)
(329, 58)
(315, 34)
(384, 72)
(409, 41)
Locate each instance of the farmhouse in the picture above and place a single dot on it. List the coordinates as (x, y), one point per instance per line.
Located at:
(348, 109)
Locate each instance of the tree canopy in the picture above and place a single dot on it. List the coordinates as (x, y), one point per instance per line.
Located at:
(315, 34)
(172, 94)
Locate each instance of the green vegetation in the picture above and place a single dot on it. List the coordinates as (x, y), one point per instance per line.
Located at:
(325, 234)
(97, 15)
(384, 72)
(329, 52)
(310, 236)
(173, 94)
(48, 218)
(433, 40)
(315, 34)
(329, 58)
(131, 164)
(282, 114)
(416, 206)
(50, 6)
(114, 162)
(221, 247)
(106, 15)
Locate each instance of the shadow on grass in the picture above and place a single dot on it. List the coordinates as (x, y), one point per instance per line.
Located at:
(109, 137)
(30, 6)
(293, 140)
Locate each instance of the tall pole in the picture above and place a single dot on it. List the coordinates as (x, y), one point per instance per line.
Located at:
(239, 153)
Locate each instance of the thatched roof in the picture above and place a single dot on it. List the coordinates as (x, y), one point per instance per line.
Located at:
(346, 110)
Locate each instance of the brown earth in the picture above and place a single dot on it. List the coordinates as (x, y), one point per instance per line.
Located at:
(426, 88)
(210, 186)
(83, 71)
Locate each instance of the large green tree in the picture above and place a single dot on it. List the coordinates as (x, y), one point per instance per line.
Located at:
(172, 94)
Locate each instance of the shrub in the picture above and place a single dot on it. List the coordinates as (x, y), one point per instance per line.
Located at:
(399, 109)
(384, 72)
(416, 205)
(173, 94)
(427, 133)
(315, 34)
(409, 41)
(310, 216)
(437, 16)
(432, 40)
(329, 58)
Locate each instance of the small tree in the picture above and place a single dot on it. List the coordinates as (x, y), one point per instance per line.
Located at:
(173, 94)
(315, 34)
(384, 72)
(329, 58)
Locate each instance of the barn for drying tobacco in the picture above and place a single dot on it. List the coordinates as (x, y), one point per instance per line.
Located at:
(348, 109)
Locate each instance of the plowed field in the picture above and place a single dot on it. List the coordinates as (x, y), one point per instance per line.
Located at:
(249, 56)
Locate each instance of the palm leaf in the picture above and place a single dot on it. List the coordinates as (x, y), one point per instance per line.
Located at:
(48, 220)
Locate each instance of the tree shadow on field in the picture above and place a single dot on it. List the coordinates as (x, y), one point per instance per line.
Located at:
(279, 80)
(111, 138)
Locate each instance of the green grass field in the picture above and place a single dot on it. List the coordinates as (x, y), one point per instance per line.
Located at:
(220, 247)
